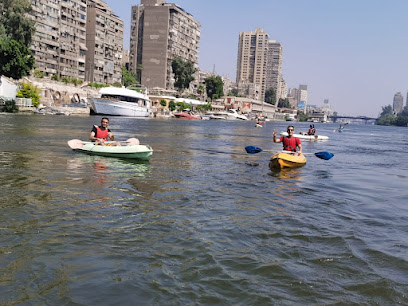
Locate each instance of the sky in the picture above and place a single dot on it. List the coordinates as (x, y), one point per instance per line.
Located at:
(352, 52)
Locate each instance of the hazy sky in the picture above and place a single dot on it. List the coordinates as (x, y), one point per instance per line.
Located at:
(352, 52)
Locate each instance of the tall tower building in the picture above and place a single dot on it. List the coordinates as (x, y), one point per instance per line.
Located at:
(160, 32)
(398, 103)
(274, 68)
(252, 59)
(104, 42)
(302, 94)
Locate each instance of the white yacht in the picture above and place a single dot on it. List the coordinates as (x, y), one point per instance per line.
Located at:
(121, 102)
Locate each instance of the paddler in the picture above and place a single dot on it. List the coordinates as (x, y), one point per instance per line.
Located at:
(290, 142)
(100, 134)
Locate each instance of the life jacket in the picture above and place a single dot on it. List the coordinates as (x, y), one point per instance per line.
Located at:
(101, 134)
(310, 132)
(288, 142)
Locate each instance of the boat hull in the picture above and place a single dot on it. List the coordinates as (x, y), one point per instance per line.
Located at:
(307, 137)
(286, 160)
(186, 116)
(141, 152)
(103, 106)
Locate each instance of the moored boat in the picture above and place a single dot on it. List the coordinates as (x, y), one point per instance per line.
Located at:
(186, 114)
(307, 137)
(286, 160)
(130, 151)
(116, 101)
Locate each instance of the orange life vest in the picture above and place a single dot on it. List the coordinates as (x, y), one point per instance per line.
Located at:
(101, 134)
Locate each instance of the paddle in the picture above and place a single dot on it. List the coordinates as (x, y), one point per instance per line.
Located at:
(78, 144)
(321, 155)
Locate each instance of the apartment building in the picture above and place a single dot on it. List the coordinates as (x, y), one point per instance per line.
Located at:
(161, 31)
(273, 76)
(60, 43)
(252, 59)
(104, 42)
(46, 40)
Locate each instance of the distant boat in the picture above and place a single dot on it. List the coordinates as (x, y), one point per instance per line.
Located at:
(186, 114)
(233, 114)
(116, 101)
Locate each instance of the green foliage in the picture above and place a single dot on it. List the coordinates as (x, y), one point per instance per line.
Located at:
(401, 120)
(205, 107)
(172, 105)
(163, 102)
(75, 81)
(128, 77)
(16, 60)
(386, 110)
(234, 92)
(183, 73)
(14, 21)
(200, 89)
(65, 79)
(97, 85)
(182, 105)
(55, 77)
(10, 106)
(117, 84)
(30, 91)
(270, 96)
(386, 119)
(284, 103)
(39, 74)
(214, 86)
(302, 117)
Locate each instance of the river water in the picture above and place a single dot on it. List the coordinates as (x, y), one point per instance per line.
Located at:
(202, 222)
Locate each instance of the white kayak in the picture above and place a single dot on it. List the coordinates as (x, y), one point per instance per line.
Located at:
(131, 149)
(308, 137)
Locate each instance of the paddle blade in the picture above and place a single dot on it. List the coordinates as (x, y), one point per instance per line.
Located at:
(75, 144)
(253, 149)
(324, 155)
(132, 142)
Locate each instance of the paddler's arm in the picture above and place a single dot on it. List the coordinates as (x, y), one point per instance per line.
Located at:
(274, 137)
(300, 148)
(111, 137)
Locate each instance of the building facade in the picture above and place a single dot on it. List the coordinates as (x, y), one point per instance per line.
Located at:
(274, 68)
(160, 32)
(252, 60)
(59, 45)
(104, 43)
(398, 103)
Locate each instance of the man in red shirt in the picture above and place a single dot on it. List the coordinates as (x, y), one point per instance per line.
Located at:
(290, 143)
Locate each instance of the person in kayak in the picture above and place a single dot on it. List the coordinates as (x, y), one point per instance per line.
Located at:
(101, 133)
(310, 132)
(290, 142)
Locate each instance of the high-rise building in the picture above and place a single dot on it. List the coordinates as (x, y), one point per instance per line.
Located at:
(260, 63)
(104, 42)
(302, 94)
(160, 32)
(252, 59)
(60, 44)
(46, 39)
(274, 68)
(398, 103)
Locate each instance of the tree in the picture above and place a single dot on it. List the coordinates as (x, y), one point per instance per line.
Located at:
(284, 103)
(128, 77)
(386, 110)
(214, 86)
(270, 96)
(16, 60)
(139, 70)
(14, 22)
(183, 73)
(234, 92)
(30, 91)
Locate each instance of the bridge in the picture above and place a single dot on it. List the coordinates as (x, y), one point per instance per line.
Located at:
(365, 118)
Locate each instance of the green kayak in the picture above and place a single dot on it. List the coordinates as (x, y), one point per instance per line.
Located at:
(129, 150)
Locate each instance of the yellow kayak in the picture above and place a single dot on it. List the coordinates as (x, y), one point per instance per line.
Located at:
(287, 160)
